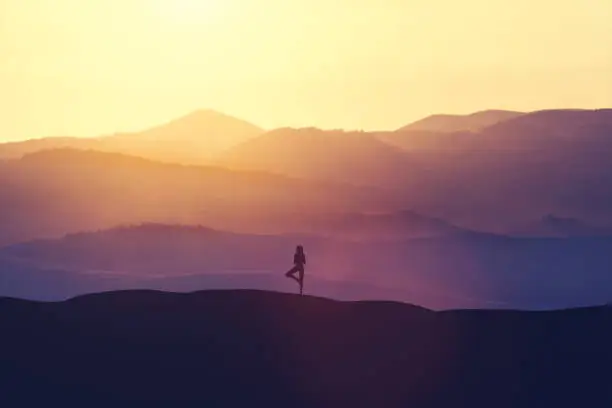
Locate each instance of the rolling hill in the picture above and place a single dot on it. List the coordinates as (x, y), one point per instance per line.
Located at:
(52, 193)
(498, 179)
(516, 171)
(456, 271)
(507, 174)
(354, 157)
(238, 348)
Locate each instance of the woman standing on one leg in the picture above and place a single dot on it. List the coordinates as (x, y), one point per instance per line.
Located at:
(299, 260)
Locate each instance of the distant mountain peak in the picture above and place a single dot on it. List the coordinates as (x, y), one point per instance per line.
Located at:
(190, 139)
(204, 120)
(449, 123)
(204, 114)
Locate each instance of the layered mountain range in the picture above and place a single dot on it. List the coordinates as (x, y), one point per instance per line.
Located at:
(495, 208)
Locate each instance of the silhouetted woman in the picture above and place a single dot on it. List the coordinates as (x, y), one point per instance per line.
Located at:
(299, 260)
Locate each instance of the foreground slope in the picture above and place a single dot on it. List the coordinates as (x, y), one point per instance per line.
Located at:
(249, 348)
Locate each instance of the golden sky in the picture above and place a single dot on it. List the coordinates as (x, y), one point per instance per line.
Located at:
(89, 67)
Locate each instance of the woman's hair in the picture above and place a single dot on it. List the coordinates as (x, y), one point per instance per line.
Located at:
(299, 248)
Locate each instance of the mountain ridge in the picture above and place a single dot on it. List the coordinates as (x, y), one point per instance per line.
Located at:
(86, 190)
(233, 348)
(190, 139)
(322, 154)
(448, 123)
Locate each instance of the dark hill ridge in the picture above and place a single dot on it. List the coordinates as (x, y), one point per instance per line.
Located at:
(252, 348)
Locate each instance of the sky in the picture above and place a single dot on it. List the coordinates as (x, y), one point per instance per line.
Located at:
(86, 68)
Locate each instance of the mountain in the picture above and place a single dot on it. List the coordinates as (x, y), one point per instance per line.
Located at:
(547, 129)
(555, 226)
(239, 348)
(508, 174)
(52, 193)
(15, 150)
(346, 224)
(465, 270)
(553, 161)
(354, 157)
(460, 123)
(191, 139)
(498, 179)
(554, 129)
(158, 249)
(373, 226)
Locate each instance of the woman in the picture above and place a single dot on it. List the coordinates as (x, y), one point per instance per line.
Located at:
(299, 260)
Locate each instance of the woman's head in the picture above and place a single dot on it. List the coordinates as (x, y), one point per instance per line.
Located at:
(299, 249)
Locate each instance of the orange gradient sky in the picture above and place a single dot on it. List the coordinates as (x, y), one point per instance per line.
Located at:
(89, 67)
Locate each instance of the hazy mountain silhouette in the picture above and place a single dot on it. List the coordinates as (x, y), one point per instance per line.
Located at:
(456, 271)
(547, 162)
(460, 123)
(191, 139)
(505, 175)
(15, 150)
(356, 157)
(556, 226)
(346, 224)
(51, 193)
(497, 179)
(158, 249)
(239, 348)
(401, 224)
(554, 129)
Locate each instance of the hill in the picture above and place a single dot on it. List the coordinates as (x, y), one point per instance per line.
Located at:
(498, 179)
(354, 157)
(555, 129)
(52, 193)
(15, 150)
(26, 279)
(516, 171)
(555, 226)
(190, 139)
(465, 270)
(461, 123)
(238, 348)
(545, 129)
(555, 161)
(373, 226)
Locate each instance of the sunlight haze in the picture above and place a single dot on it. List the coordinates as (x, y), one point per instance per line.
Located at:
(85, 68)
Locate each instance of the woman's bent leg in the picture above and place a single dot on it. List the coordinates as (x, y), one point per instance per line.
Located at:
(291, 273)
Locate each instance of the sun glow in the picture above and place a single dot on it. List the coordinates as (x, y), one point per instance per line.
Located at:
(91, 67)
(189, 11)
